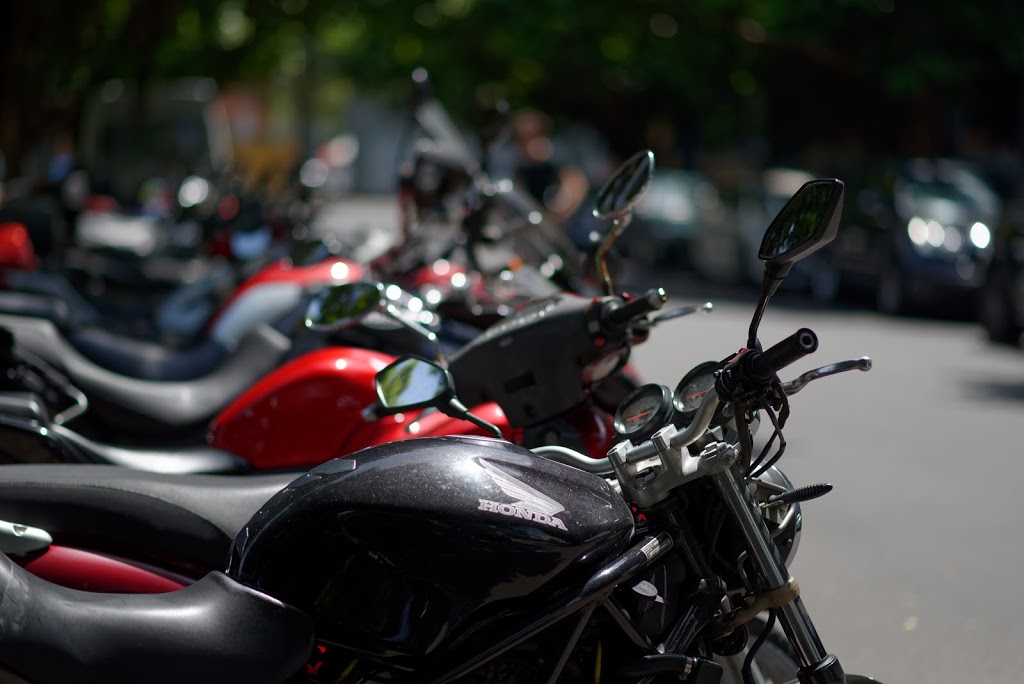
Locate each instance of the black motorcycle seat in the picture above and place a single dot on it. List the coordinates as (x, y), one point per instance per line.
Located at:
(164, 404)
(215, 630)
(51, 308)
(184, 460)
(147, 360)
(189, 518)
(116, 352)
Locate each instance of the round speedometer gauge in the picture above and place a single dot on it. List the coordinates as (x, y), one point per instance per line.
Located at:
(645, 411)
(691, 389)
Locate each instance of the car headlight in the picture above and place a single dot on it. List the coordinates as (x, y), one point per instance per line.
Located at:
(981, 236)
(928, 236)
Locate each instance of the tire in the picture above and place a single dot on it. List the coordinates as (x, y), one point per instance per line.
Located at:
(892, 294)
(825, 284)
(774, 663)
(996, 317)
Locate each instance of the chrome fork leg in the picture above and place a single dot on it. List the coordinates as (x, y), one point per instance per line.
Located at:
(794, 617)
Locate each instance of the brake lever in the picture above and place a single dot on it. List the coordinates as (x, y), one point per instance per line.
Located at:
(797, 384)
(706, 307)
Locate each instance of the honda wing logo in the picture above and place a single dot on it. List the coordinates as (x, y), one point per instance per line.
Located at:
(528, 503)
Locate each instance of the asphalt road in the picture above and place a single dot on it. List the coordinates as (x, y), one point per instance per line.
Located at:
(910, 567)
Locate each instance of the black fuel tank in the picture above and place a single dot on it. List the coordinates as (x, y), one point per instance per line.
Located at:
(399, 547)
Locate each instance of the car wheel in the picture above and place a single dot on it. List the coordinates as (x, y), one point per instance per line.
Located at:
(825, 284)
(996, 316)
(892, 295)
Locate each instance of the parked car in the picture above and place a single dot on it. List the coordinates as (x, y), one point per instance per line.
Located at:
(1001, 300)
(916, 234)
(679, 205)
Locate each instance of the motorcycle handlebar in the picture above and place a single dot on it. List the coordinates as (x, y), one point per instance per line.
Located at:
(783, 353)
(652, 300)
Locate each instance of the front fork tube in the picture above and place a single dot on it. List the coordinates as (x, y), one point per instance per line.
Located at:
(819, 667)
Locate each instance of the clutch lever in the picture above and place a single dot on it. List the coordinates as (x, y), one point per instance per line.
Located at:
(797, 384)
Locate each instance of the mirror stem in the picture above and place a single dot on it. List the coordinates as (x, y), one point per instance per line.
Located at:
(456, 409)
(393, 311)
(618, 225)
(774, 274)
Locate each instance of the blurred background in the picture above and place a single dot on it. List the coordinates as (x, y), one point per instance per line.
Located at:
(917, 108)
(296, 112)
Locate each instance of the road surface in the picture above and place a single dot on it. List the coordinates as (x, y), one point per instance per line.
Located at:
(911, 566)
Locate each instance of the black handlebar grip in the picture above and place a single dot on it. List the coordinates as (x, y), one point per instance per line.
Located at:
(652, 300)
(781, 354)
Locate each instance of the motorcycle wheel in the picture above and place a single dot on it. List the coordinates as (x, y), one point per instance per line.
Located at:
(774, 663)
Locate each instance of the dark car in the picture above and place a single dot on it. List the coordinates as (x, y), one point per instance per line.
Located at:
(917, 234)
(678, 206)
(1001, 300)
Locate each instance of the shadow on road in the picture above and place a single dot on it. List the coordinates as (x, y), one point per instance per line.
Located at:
(999, 389)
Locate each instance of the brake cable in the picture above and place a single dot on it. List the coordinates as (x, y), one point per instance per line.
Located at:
(748, 676)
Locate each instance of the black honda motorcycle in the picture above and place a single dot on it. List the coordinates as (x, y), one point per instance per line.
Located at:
(471, 559)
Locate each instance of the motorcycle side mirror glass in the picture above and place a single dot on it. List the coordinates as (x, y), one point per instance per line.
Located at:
(411, 383)
(626, 186)
(808, 222)
(342, 306)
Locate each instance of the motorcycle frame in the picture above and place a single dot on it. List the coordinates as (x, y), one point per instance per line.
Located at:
(594, 594)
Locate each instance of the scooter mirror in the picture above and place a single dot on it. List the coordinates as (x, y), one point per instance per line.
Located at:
(808, 222)
(411, 383)
(626, 186)
(342, 306)
(616, 200)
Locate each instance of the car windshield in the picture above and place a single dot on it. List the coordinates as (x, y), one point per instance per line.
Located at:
(950, 183)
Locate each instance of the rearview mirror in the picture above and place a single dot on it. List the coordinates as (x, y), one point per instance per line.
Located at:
(808, 222)
(626, 186)
(616, 200)
(411, 383)
(342, 306)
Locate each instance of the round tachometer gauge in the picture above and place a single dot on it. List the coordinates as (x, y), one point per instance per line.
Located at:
(691, 389)
(645, 411)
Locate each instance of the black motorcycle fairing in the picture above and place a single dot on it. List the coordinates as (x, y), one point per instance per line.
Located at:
(150, 407)
(213, 631)
(189, 519)
(400, 547)
(532, 363)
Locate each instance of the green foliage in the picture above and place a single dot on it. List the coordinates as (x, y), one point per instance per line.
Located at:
(608, 62)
